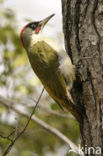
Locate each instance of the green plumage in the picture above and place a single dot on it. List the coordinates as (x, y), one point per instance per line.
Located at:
(51, 64)
(45, 64)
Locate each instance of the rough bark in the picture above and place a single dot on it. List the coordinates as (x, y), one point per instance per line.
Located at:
(83, 33)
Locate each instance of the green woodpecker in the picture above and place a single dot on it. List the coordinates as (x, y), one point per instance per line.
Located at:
(50, 62)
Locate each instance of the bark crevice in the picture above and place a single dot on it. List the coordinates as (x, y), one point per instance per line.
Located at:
(76, 22)
(67, 26)
(93, 17)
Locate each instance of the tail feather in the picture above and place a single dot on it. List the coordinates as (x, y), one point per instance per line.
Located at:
(71, 106)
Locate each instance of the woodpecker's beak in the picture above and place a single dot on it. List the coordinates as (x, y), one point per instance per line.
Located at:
(44, 21)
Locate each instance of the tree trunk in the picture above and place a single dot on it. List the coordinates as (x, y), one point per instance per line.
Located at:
(83, 33)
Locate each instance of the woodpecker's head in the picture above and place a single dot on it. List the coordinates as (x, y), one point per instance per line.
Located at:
(33, 28)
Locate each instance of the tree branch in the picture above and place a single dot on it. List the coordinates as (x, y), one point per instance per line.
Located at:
(41, 123)
(56, 113)
(17, 136)
(8, 137)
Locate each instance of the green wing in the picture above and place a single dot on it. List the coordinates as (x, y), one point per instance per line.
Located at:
(45, 63)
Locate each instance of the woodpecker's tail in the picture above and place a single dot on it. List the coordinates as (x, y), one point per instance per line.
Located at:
(71, 107)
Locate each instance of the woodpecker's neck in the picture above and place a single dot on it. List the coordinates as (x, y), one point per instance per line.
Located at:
(26, 37)
(49, 41)
(29, 38)
(36, 37)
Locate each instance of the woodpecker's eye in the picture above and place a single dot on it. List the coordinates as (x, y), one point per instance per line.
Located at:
(33, 26)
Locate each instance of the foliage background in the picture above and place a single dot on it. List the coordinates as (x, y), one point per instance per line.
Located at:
(19, 83)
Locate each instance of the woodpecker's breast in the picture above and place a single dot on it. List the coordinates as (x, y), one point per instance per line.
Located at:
(49, 51)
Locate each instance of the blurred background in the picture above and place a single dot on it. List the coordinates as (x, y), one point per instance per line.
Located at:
(19, 83)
